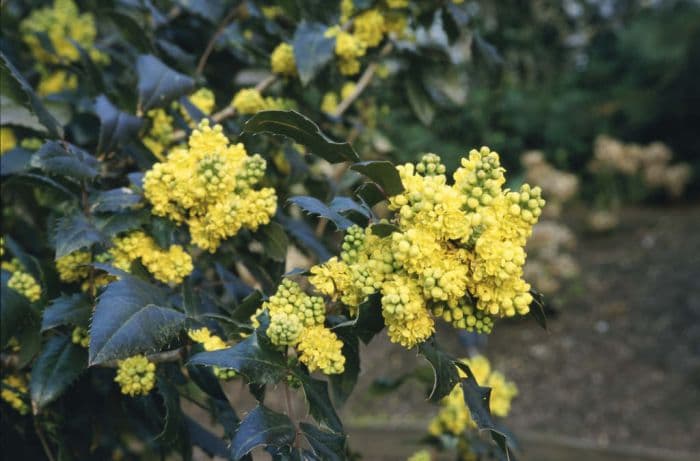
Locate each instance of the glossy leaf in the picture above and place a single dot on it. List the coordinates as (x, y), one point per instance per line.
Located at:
(537, 309)
(274, 241)
(316, 207)
(13, 310)
(262, 427)
(116, 127)
(73, 233)
(382, 173)
(114, 200)
(64, 159)
(302, 130)
(344, 383)
(342, 204)
(320, 405)
(15, 161)
(59, 364)
(72, 309)
(312, 49)
(159, 84)
(305, 236)
(383, 229)
(326, 445)
(446, 376)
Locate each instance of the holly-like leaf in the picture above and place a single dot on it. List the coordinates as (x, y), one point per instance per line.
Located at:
(13, 310)
(382, 173)
(312, 49)
(159, 84)
(326, 445)
(342, 204)
(129, 320)
(28, 262)
(253, 357)
(116, 127)
(15, 161)
(114, 200)
(210, 443)
(320, 405)
(446, 376)
(303, 234)
(72, 309)
(116, 223)
(74, 232)
(247, 307)
(212, 10)
(64, 159)
(343, 384)
(59, 364)
(370, 194)
(302, 130)
(314, 206)
(274, 241)
(15, 86)
(262, 427)
(132, 32)
(537, 309)
(369, 320)
(383, 229)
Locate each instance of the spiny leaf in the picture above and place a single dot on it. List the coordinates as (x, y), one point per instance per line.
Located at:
(537, 309)
(326, 445)
(383, 173)
(312, 49)
(320, 405)
(302, 130)
(158, 83)
(370, 194)
(383, 229)
(64, 159)
(314, 206)
(59, 364)
(73, 233)
(116, 127)
(342, 204)
(72, 309)
(343, 384)
(446, 376)
(114, 200)
(262, 427)
(15, 161)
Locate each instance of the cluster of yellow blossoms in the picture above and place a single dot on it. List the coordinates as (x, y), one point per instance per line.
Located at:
(168, 266)
(248, 101)
(81, 337)
(367, 30)
(212, 342)
(454, 418)
(282, 60)
(14, 391)
(22, 281)
(330, 100)
(297, 319)
(136, 375)
(209, 186)
(8, 141)
(458, 251)
(75, 267)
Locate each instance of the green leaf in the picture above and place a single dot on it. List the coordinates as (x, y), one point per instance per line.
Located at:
(247, 307)
(14, 161)
(382, 173)
(537, 309)
(343, 384)
(59, 364)
(314, 206)
(383, 229)
(274, 241)
(128, 320)
(370, 194)
(327, 445)
(73, 233)
(65, 159)
(262, 427)
(320, 405)
(28, 262)
(174, 419)
(159, 84)
(116, 127)
(446, 376)
(420, 102)
(212, 10)
(369, 320)
(253, 357)
(132, 32)
(302, 130)
(16, 114)
(305, 236)
(117, 223)
(72, 309)
(15, 86)
(13, 310)
(45, 182)
(342, 204)
(312, 49)
(114, 200)
(477, 399)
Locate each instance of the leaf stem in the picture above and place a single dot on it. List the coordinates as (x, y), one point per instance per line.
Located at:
(212, 42)
(42, 438)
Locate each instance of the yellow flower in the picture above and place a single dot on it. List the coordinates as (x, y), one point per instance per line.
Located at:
(248, 101)
(212, 343)
(7, 140)
(14, 392)
(282, 60)
(329, 103)
(422, 455)
(74, 267)
(368, 27)
(80, 336)
(320, 349)
(56, 82)
(136, 375)
(24, 284)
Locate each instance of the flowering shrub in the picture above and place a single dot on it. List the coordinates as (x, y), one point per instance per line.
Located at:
(149, 225)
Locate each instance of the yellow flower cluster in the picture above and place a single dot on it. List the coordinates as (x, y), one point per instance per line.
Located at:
(296, 319)
(168, 266)
(457, 253)
(14, 390)
(211, 342)
(56, 82)
(453, 417)
(422, 455)
(282, 60)
(74, 267)
(209, 186)
(330, 100)
(80, 336)
(249, 101)
(136, 375)
(23, 283)
(7, 139)
(63, 24)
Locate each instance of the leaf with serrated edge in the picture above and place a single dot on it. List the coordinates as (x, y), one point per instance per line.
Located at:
(382, 173)
(72, 309)
(314, 206)
(262, 427)
(59, 364)
(446, 376)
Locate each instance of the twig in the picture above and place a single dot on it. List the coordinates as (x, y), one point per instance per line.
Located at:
(228, 111)
(212, 42)
(42, 439)
(362, 83)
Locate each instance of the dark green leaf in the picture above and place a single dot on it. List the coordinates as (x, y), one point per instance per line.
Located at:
(13, 310)
(132, 31)
(446, 376)
(420, 102)
(537, 309)
(15, 86)
(114, 200)
(16, 114)
(343, 384)
(369, 320)
(59, 364)
(72, 309)
(65, 159)
(128, 320)
(212, 10)
(247, 307)
(253, 357)
(383, 229)
(73, 233)
(116, 127)
(44, 181)
(314, 206)
(370, 194)
(159, 84)
(274, 241)
(305, 236)
(262, 427)
(312, 49)
(113, 224)
(320, 405)
(302, 130)
(326, 445)
(28, 262)
(15, 161)
(174, 419)
(342, 204)
(383, 173)
(29, 337)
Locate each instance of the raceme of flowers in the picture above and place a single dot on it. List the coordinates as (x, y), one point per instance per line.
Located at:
(209, 186)
(454, 417)
(211, 342)
(458, 251)
(14, 392)
(249, 101)
(81, 337)
(136, 375)
(297, 320)
(22, 281)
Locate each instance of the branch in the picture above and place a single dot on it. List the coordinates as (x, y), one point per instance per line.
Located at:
(362, 83)
(212, 42)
